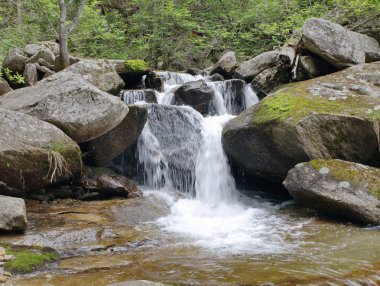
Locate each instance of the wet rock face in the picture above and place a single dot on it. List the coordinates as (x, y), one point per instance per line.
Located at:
(34, 154)
(335, 116)
(105, 183)
(80, 109)
(102, 150)
(12, 214)
(154, 81)
(196, 94)
(345, 189)
(338, 46)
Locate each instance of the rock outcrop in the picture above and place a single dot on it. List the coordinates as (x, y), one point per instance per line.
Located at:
(12, 214)
(196, 94)
(4, 87)
(282, 58)
(100, 73)
(335, 116)
(105, 184)
(69, 102)
(34, 154)
(102, 150)
(337, 45)
(226, 65)
(345, 189)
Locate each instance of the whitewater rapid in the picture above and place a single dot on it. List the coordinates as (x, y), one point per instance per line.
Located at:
(213, 214)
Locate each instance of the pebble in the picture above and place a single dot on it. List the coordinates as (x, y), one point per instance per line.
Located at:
(8, 257)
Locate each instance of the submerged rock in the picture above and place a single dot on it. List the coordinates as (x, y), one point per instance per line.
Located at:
(341, 188)
(107, 184)
(67, 101)
(12, 214)
(335, 116)
(138, 283)
(102, 150)
(196, 94)
(338, 46)
(34, 154)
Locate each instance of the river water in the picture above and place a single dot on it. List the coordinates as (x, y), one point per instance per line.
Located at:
(200, 230)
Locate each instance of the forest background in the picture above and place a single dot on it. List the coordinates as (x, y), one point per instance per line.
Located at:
(175, 34)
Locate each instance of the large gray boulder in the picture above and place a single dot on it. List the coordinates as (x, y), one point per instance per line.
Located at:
(12, 214)
(34, 154)
(308, 67)
(196, 94)
(69, 102)
(4, 87)
(282, 59)
(341, 188)
(225, 65)
(15, 60)
(338, 46)
(100, 73)
(32, 49)
(102, 150)
(335, 116)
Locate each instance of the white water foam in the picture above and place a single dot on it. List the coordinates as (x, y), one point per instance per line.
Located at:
(214, 217)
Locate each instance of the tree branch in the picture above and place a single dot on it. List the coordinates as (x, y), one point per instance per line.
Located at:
(77, 16)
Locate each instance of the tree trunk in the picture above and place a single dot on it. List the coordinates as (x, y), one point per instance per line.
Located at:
(63, 50)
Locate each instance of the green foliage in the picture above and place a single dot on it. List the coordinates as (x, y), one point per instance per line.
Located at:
(28, 258)
(173, 33)
(135, 66)
(12, 76)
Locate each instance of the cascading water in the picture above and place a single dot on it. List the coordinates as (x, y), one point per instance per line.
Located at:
(181, 150)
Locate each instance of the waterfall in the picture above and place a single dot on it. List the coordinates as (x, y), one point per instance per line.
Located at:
(181, 150)
(232, 96)
(168, 147)
(133, 96)
(214, 182)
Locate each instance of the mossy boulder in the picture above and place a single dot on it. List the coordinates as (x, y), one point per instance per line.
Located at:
(345, 189)
(335, 116)
(34, 154)
(132, 72)
(28, 258)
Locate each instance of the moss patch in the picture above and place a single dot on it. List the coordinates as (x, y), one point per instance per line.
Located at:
(68, 151)
(135, 66)
(293, 103)
(28, 258)
(351, 172)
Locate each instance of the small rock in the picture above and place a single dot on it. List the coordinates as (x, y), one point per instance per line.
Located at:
(8, 258)
(324, 170)
(8, 274)
(2, 251)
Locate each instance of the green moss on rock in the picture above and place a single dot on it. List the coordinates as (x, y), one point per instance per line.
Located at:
(134, 66)
(357, 174)
(71, 153)
(28, 258)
